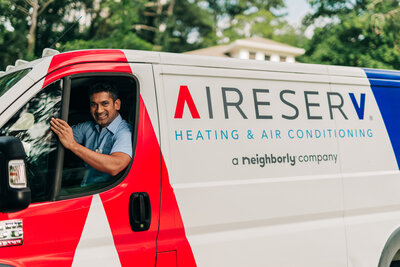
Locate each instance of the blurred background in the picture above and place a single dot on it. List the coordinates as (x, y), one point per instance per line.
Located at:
(346, 32)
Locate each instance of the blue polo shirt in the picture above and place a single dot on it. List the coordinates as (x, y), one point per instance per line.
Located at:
(116, 137)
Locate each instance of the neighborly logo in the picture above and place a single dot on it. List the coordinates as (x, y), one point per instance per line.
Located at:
(335, 100)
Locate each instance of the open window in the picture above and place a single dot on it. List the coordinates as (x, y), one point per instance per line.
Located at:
(74, 169)
(54, 172)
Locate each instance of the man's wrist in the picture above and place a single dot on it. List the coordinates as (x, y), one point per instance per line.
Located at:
(73, 146)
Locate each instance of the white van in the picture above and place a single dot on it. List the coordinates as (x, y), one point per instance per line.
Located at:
(236, 163)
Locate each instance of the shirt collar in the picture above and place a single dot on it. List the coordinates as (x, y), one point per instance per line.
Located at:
(112, 127)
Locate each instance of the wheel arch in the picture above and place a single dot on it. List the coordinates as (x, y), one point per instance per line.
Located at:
(391, 250)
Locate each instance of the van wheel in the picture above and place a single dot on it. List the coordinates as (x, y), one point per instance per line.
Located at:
(395, 264)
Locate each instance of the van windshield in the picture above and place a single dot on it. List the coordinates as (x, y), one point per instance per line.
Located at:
(9, 80)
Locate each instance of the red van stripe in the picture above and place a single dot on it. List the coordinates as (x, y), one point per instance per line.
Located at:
(100, 61)
(171, 236)
(75, 57)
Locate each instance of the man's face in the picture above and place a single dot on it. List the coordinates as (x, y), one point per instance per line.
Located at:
(103, 108)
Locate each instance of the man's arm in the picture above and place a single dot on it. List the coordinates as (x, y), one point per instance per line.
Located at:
(111, 164)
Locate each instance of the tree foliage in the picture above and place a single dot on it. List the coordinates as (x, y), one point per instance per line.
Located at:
(243, 19)
(29, 26)
(13, 31)
(110, 26)
(176, 24)
(16, 27)
(355, 33)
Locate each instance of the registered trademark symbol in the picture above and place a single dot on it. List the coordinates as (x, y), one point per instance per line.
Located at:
(371, 118)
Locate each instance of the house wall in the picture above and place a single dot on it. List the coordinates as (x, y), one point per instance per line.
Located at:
(262, 55)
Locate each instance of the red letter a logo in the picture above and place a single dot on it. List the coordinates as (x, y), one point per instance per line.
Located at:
(184, 96)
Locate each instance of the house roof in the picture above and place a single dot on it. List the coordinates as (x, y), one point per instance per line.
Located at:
(216, 51)
(253, 43)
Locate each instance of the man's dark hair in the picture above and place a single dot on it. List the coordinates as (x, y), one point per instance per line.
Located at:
(104, 86)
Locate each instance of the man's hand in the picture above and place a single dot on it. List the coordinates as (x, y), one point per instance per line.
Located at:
(111, 164)
(64, 132)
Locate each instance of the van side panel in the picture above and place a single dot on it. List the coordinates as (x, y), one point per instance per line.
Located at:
(369, 166)
(246, 163)
(252, 188)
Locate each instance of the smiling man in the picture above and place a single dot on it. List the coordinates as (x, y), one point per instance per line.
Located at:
(105, 144)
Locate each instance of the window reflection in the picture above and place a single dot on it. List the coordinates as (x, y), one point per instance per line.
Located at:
(31, 125)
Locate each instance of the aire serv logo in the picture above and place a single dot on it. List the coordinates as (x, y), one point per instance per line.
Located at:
(311, 99)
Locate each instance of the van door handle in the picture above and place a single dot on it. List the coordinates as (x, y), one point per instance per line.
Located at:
(140, 211)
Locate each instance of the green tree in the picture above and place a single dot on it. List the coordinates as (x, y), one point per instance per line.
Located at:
(291, 35)
(13, 31)
(252, 18)
(176, 25)
(355, 33)
(164, 25)
(111, 25)
(28, 26)
(188, 27)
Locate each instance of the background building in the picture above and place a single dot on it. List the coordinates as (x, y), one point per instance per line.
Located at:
(253, 48)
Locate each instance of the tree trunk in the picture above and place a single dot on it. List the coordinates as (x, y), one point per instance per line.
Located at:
(32, 29)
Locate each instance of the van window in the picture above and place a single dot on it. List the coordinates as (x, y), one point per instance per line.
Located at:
(76, 173)
(9, 80)
(31, 124)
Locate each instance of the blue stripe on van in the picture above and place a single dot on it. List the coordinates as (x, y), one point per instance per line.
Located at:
(385, 86)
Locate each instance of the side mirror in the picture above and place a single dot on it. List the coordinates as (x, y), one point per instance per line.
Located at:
(15, 194)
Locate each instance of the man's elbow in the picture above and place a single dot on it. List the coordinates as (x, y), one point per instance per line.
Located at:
(114, 172)
(116, 169)
(119, 162)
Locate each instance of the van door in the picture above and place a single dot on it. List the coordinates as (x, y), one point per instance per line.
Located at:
(253, 162)
(102, 226)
